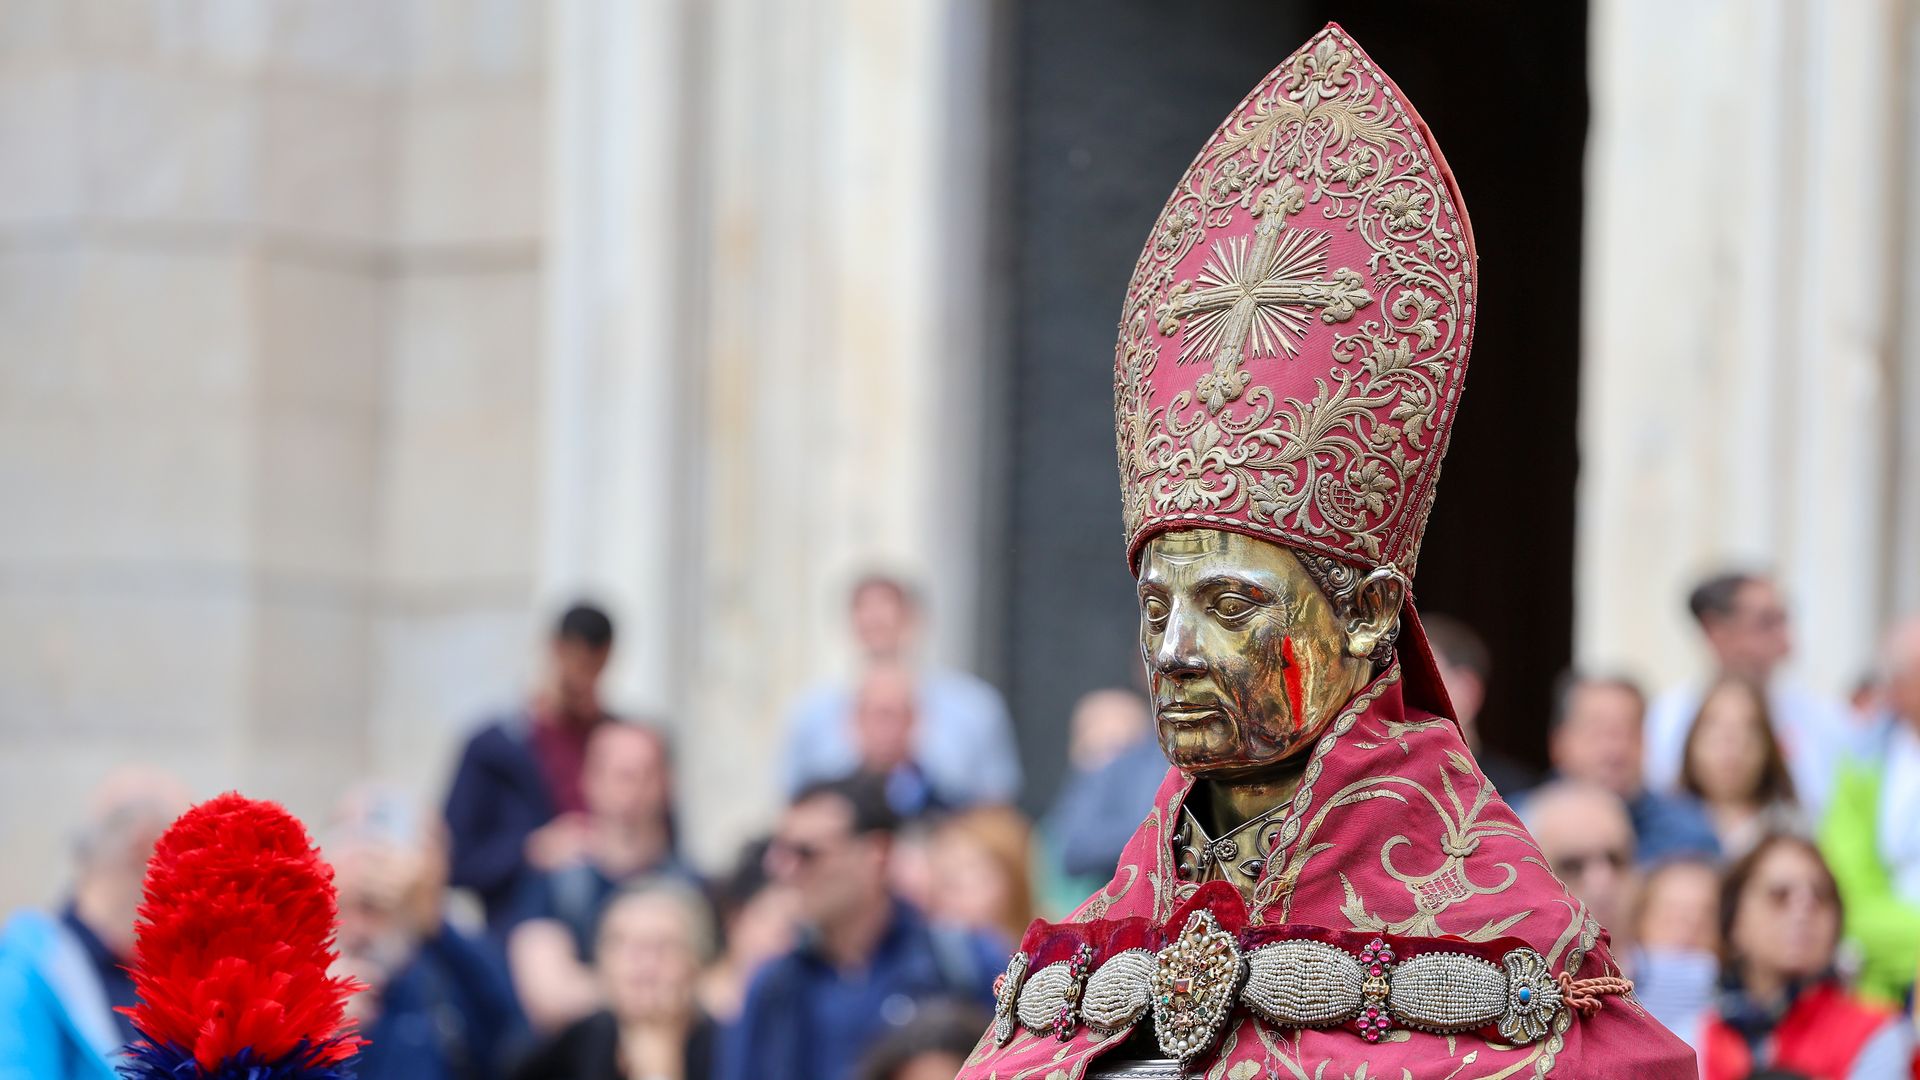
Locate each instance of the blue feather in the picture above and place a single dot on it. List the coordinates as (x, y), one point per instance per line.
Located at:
(146, 1061)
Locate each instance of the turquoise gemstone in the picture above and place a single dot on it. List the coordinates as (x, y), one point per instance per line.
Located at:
(1526, 995)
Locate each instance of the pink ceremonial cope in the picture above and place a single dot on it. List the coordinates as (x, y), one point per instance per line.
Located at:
(1394, 834)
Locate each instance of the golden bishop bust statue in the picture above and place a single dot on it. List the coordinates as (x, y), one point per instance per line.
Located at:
(1326, 884)
(1249, 658)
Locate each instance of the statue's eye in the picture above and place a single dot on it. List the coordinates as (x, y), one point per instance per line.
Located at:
(1155, 609)
(1232, 606)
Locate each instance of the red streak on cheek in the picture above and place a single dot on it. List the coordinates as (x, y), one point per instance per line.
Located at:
(1295, 695)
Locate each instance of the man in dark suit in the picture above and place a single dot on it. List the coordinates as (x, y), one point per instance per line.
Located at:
(515, 802)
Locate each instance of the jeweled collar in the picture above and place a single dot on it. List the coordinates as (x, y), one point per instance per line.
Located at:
(1238, 857)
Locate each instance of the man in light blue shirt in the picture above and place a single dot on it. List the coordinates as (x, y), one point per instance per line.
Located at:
(62, 975)
(962, 737)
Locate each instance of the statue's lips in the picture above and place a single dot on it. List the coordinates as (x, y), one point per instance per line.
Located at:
(1188, 715)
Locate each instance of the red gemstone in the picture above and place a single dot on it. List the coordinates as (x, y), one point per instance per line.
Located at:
(1374, 970)
(1183, 985)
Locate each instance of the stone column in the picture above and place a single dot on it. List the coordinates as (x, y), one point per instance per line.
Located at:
(268, 313)
(459, 609)
(1903, 483)
(622, 282)
(839, 409)
(193, 318)
(1746, 185)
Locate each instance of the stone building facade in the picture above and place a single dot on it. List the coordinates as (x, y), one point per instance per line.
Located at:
(342, 340)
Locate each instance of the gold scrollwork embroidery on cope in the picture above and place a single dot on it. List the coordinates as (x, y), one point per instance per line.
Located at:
(1448, 882)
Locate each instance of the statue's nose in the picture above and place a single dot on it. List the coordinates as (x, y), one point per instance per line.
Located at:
(1178, 656)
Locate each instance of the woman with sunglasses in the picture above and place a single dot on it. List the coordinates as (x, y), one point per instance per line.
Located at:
(1781, 1006)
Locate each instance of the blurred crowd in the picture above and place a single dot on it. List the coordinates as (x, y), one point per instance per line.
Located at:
(1753, 849)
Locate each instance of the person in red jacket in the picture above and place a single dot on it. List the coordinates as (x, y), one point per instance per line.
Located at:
(1780, 1005)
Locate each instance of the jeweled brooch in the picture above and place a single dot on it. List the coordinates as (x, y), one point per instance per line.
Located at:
(1194, 983)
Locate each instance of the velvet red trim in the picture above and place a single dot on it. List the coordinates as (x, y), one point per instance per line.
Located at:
(1046, 943)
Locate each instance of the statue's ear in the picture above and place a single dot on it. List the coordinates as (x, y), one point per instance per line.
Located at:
(1376, 611)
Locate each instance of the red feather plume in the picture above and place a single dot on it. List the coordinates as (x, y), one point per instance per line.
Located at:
(235, 939)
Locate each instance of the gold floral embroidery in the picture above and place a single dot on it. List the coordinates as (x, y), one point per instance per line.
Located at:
(1348, 469)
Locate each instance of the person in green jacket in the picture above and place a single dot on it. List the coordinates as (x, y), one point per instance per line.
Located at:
(1871, 832)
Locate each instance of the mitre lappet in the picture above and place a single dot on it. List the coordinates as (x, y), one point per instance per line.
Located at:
(1326, 884)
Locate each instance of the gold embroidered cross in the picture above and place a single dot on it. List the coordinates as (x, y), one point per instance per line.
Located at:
(1255, 298)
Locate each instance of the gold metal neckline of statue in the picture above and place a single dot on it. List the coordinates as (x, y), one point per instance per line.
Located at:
(1238, 857)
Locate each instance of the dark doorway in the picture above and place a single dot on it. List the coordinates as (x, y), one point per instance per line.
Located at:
(1110, 100)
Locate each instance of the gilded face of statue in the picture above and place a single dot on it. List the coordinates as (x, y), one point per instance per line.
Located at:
(1248, 661)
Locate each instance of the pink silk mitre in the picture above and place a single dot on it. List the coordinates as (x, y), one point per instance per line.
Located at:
(1294, 339)
(1394, 831)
